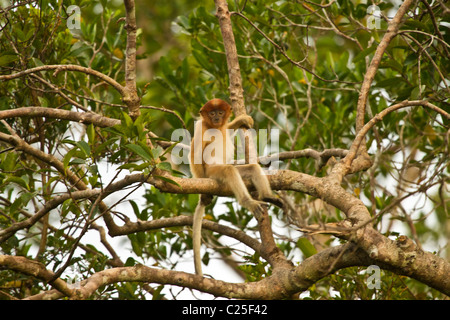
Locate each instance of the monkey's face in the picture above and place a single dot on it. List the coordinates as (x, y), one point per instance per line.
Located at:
(217, 117)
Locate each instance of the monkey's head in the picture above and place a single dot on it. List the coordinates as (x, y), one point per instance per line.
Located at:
(216, 113)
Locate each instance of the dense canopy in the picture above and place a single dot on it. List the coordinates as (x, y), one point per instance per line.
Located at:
(351, 103)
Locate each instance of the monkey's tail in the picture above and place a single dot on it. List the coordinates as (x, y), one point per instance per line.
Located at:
(197, 236)
(197, 231)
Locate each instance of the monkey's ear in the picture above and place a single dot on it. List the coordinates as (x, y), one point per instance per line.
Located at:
(205, 109)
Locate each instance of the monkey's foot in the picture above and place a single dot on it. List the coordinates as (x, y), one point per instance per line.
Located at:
(274, 200)
(258, 208)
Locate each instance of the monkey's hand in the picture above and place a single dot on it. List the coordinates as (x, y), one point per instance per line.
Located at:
(241, 121)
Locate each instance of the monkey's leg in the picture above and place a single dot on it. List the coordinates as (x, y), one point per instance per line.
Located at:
(261, 183)
(230, 176)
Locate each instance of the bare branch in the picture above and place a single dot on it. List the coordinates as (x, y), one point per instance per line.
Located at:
(283, 52)
(392, 30)
(82, 117)
(49, 205)
(360, 136)
(67, 67)
(234, 71)
(131, 98)
(181, 221)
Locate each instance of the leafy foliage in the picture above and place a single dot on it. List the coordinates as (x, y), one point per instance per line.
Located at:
(301, 66)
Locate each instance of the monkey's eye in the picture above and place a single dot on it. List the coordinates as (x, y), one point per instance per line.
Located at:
(212, 113)
(220, 113)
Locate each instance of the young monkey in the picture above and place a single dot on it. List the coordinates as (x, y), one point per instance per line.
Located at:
(210, 158)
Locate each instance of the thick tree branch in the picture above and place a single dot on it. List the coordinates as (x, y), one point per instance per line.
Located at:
(400, 256)
(272, 253)
(234, 74)
(21, 145)
(383, 250)
(234, 71)
(281, 284)
(36, 269)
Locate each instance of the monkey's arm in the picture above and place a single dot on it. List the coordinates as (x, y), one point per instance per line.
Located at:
(196, 154)
(241, 121)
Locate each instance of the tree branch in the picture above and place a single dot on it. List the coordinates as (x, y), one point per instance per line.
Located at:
(36, 269)
(272, 252)
(279, 285)
(131, 98)
(392, 30)
(283, 52)
(67, 67)
(234, 71)
(49, 205)
(82, 117)
(182, 221)
(399, 256)
(352, 153)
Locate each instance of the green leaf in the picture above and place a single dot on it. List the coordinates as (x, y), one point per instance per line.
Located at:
(130, 262)
(68, 157)
(137, 149)
(7, 59)
(167, 180)
(165, 67)
(84, 146)
(78, 48)
(19, 181)
(22, 201)
(27, 196)
(93, 180)
(136, 210)
(164, 166)
(390, 82)
(157, 152)
(416, 24)
(364, 53)
(127, 121)
(135, 245)
(330, 59)
(185, 71)
(128, 166)
(9, 162)
(90, 130)
(306, 247)
(391, 63)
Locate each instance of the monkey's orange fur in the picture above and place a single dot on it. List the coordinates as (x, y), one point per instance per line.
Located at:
(214, 162)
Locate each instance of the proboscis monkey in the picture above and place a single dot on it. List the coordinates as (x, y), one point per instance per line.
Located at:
(212, 151)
